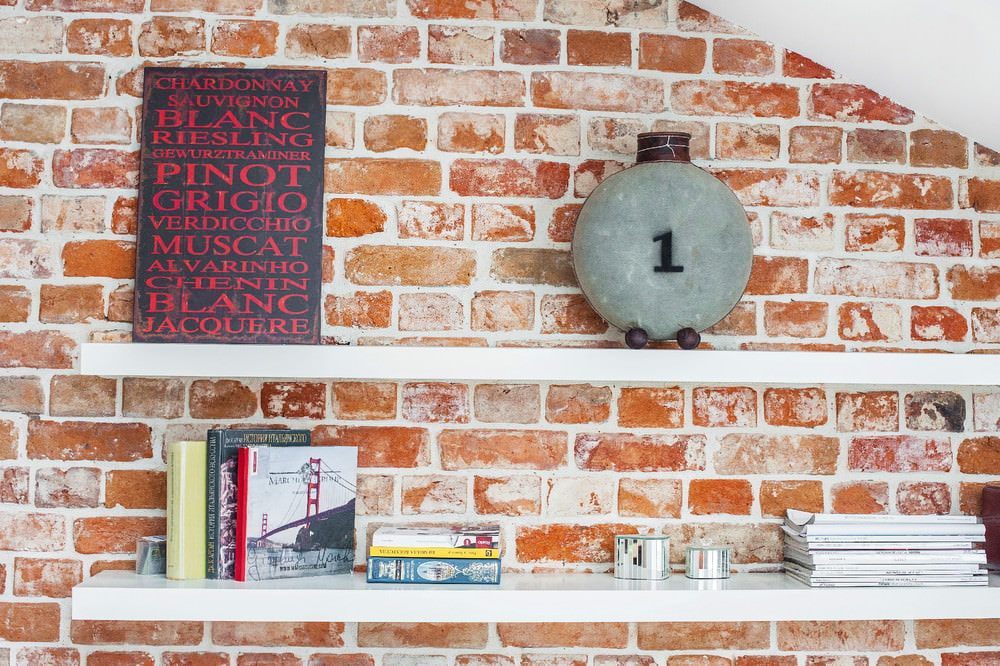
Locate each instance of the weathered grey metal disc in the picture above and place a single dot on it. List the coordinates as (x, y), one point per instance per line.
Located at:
(619, 242)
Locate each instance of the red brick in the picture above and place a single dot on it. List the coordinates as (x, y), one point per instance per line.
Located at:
(383, 176)
(530, 47)
(101, 125)
(99, 258)
(108, 658)
(429, 494)
(860, 497)
(471, 132)
(876, 279)
(356, 86)
(50, 656)
(21, 394)
(737, 141)
(938, 148)
(35, 622)
(969, 658)
(672, 53)
(70, 304)
(100, 36)
(777, 454)
(986, 410)
(51, 80)
(136, 489)
(979, 455)
(876, 189)
(597, 92)
(245, 39)
(818, 145)
(389, 132)
(36, 349)
(460, 45)
(293, 400)
(379, 446)
(317, 40)
(360, 310)
(447, 87)
(742, 57)
(569, 314)
(430, 312)
(624, 452)
(123, 215)
(113, 534)
(24, 259)
(508, 495)
(20, 168)
(873, 146)
(798, 319)
(547, 134)
(349, 218)
(935, 410)
(34, 123)
(363, 9)
(132, 632)
(222, 399)
(703, 635)
(616, 135)
(169, 36)
(568, 543)
(776, 497)
(423, 634)
(875, 410)
(507, 403)
(651, 498)
(503, 311)
(383, 43)
(16, 213)
(854, 103)
(375, 495)
(80, 440)
(980, 194)
(923, 498)
(899, 453)
(9, 436)
(35, 577)
(76, 487)
(772, 187)
(498, 222)
(869, 322)
(425, 266)
(798, 66)
(535, 266)
(32, 531)
(937, 634)
(874, 233)
(651, 408)
(195, 659)
(509, 178)
(73, 214)
(579, 403)
(430, 220)
(516, 10)
(974, 283)
(803, 408)
(598, 48)
(154, 398)
(610, 635)
(590, 173)
(985, 325)
(724, 407)
(842, 635)
(734, 98)
(508, 449)
(435, 402)
(937, 323)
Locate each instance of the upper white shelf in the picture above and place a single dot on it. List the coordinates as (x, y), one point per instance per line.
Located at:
(538, 364)
(121, 595)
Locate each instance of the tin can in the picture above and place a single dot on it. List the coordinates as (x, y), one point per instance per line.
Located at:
(642, 557)
(707, 562)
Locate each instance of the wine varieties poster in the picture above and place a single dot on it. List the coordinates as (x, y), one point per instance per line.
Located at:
(230, 230)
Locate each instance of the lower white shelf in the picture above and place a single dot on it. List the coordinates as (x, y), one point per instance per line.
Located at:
(119, 595)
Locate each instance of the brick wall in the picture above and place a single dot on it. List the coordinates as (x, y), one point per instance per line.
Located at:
(462, 138)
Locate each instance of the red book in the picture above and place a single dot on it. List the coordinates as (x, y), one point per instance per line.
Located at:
(991, 517)
(245, 462)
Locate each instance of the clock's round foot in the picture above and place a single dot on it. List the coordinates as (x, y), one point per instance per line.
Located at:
(636, 338)
(688, 338)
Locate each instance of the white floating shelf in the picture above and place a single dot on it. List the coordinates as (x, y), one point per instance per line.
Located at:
(119, 595)
(538, 364)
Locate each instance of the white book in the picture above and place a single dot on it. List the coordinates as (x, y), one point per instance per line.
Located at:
(901, 533)
(834, 557)
(893, 581)
(798, 517)
(884, 569)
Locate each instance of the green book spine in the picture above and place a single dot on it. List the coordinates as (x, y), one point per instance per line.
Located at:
(186, 502)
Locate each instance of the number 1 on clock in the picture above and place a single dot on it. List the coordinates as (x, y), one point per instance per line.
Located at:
(666, 254)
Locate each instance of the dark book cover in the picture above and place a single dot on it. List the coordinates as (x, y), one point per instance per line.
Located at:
(295, 511)
(223, 445)
(229, 236)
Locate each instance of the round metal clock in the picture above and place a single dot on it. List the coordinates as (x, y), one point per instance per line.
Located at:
(662, 250)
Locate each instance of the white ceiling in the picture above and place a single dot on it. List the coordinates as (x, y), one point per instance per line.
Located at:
(937, 57)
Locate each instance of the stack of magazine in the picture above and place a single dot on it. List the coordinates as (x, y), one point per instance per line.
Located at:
(437, 554)
(861, 550)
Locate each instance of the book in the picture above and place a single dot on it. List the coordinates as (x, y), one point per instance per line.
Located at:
(902, 556)
(295, 511)
(439, 536)
(801, 518)
(874, 578)
(186, 500)
(901, 538)
(911, 529)
(867, 543)
(431, 551)
(223, 444)
(433, 570)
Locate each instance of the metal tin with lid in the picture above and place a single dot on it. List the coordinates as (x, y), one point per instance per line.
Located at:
(642, 557)
(707, 562)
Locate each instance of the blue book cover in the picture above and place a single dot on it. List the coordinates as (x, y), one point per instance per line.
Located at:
(433, 570)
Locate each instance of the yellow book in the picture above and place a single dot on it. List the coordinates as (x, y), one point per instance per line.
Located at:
(434, 551)
(187, 474)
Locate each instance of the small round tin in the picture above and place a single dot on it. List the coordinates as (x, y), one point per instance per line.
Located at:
(642, 557)
(707, 562)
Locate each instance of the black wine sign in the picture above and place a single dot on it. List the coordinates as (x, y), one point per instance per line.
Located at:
(230, 230)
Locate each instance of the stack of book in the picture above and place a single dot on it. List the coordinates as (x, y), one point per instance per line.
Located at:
(437, 554)
(860, 550)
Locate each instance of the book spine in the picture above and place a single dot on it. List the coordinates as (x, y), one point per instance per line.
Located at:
(433, 541)
(417, 551)
(186, 510)
(244, 461)
(433, 570)
(212, 560)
